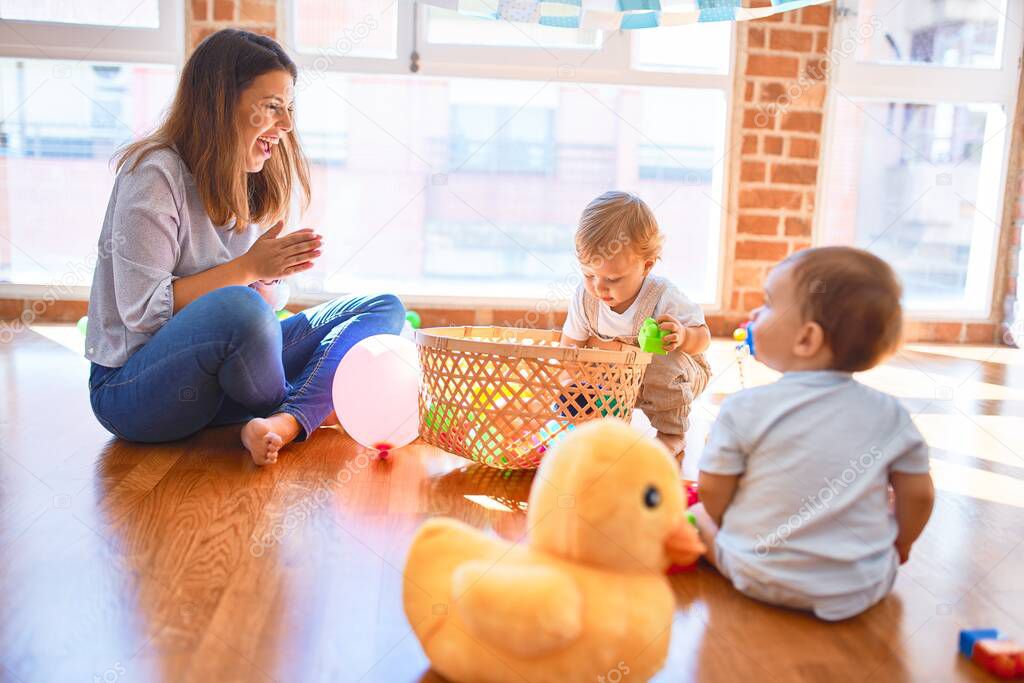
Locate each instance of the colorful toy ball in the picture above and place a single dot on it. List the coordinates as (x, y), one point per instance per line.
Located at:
(83, 324)
(376, 389)
(414, 320)
(745, 336)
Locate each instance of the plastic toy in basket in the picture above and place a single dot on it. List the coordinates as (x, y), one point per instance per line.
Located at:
(502, 396)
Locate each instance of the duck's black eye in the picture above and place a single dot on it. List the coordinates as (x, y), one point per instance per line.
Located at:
(652, 497)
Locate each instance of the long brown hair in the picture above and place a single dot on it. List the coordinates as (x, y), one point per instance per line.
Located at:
(201, 126)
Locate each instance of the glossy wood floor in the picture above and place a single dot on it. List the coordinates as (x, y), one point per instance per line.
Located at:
(123, 562)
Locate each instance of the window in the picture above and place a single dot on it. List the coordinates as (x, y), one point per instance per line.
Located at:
(467, 177)
(61, 119)
(918, 144)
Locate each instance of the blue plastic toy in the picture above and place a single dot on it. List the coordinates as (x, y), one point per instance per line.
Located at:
(745, 335)
(970, 636)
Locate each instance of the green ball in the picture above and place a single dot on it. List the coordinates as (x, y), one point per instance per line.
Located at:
(284, 314)
(83, 324)
(414, 319)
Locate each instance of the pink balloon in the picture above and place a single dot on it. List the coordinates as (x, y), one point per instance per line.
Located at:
(375, 392)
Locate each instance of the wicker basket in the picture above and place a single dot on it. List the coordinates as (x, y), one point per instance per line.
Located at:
(502, 396)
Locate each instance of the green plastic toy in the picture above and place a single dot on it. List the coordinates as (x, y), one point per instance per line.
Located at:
(414, 319)
(651, 337)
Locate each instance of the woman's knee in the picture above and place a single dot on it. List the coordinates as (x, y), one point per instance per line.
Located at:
(391, 309)
(242, 310)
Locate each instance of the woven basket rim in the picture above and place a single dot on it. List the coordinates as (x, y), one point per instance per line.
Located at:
(455, 338)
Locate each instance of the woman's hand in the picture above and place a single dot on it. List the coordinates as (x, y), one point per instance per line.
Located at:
(272, 257)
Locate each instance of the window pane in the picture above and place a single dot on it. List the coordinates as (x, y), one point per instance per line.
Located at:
(124, 13)
(479, 193)
(456, 28)
(918, 184)
(347, 28)
(694, 47)
(60, 122)
(950, 33)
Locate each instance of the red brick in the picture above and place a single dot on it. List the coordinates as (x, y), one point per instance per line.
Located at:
(752, 171)
(942, 332)
(755, 37)
(10, 309)
(259, 11)
(748, 276)
(799, 246)
(980, 333)
(772, 92)
(805, 121)
(817, 69)
(772, 144)
(757, 224)
(199, 34)
(757, 119)
(224, 10)
(767, 198)
(772, 19)
(821, 43)
(773, 65)
(803, 148)
(816, 15)
(750, 144)
(749, 92)
(752, 300)
(200, 10)
(786, 39)
(796, 174)
(761, 250)
(797, 227)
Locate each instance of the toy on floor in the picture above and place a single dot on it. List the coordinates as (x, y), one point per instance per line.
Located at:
(651, 338)
(692, 498)
(376, 389)
(745, 335)
(574, 401)
(606, 517)
(985, 647)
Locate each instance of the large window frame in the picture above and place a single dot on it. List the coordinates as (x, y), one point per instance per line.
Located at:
(611, 64)
(926, 83)
(61, 41)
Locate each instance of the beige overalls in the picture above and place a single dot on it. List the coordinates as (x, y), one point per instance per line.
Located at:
(672, 381)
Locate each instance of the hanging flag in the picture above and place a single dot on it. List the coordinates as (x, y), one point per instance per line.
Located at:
(620, 14)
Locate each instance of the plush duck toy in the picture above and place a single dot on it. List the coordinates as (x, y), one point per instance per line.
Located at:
(583, 594)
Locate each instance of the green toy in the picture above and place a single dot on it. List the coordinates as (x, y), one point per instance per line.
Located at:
(83, 324)
(414, 319)
(651, 337)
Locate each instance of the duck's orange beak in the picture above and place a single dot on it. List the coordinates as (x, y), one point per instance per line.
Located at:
(683, 545)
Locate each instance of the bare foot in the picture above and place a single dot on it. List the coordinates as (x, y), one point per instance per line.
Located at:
(675, 443)
(264, 437)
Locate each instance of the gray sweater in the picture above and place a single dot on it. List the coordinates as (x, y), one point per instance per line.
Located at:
(155, 231)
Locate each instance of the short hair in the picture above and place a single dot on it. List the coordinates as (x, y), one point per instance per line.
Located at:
(855, 297)
(616, 221)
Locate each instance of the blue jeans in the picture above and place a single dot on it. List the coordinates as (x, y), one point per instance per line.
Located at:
(226, 358)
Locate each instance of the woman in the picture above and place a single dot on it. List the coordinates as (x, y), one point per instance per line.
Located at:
(181, 335)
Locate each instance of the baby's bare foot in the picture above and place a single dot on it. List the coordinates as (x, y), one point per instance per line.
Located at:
(261, 441)
(675, 443)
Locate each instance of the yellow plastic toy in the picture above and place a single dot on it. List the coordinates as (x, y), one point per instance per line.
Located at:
(584, 595)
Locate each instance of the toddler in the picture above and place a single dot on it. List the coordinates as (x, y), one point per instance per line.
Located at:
(617, 244)
(795, 477)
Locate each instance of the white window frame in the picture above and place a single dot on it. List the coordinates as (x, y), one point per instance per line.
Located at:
(95, 43)
(931, 84)
(608, 66)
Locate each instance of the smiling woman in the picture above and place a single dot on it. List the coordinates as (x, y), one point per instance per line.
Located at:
(179, 314)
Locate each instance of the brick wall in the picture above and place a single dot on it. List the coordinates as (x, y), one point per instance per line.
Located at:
(779, 101)
(203, 17)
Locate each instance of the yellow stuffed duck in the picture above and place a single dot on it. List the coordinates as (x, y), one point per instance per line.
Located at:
(584, 594)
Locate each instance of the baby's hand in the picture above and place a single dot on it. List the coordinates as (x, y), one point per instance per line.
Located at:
(677, 333)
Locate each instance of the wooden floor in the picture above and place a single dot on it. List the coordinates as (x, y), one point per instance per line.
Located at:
(123, 562)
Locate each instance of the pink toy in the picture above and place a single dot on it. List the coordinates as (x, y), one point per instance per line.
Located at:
(376, 389)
